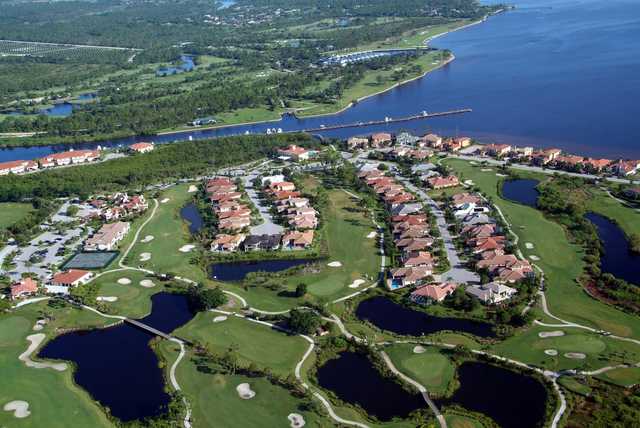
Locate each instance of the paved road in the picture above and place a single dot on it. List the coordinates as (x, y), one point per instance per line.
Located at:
(268, 226)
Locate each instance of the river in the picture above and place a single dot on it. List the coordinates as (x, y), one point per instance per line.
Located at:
(549, 73)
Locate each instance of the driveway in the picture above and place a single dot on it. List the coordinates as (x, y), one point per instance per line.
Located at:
(268, 226)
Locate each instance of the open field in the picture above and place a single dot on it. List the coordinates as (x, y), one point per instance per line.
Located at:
(560, 260)
(459, 421)
(626, 377)
(345, 233)
(432, 369)
(54, 400)
(253, 343)
(574, 385)
(215, 401)
(134, 300)
(170, 233)
(13, 212)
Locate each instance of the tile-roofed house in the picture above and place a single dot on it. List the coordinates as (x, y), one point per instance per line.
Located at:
(68, 158)
(303, 222)
(224, 196)
(597, 164)
(443, 182)
(234, 223)
(433, 140)
(408, 276)
(271, 179)
(497, 149)
(262, 242)
(464, 198)
(227, 243)
(569, 160)
(491, 293)
(71, 278)
(17, 167)
(380, 138)
(406, 139)
(295, 240)
(405, 209)
(357, 143)
(419, 258)
(436, 292)
(282, 186)
(545, 156)
(295, 152)
(107, 237)
(625, 167)
(24, 287)
(245, 212)
(142, 147)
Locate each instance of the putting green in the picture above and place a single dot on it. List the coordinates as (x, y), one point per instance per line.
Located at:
(134, 301)
(432, 369)
(572, 343)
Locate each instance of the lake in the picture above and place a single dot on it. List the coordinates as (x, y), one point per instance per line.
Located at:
(185, 63)
(617, 258)
(521, 191)
(530, 75)
(192, 216)
(511, 399)
(237, 271)
(355, 380)
(117, 366)
(384, 313)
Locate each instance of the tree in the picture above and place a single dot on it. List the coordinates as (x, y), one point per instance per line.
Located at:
(303, 322)
(72, 210)
(301, 289)
(204, 299)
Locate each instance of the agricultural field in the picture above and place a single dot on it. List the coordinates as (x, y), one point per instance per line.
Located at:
(60, 51)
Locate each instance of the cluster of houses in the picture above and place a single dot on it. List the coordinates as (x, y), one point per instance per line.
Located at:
(60, 283)
(288, 204)
(233, 215)
(107, 237)
(119, 205)
(555, 158)
(420, 145)
(71, 157)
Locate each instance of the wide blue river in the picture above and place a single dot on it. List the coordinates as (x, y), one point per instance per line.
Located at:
(563, 73)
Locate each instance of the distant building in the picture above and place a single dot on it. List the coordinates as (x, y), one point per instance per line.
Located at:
(17, 167)
(142, 147)
(107, 237)
(295, 153)
(23, 288)
(69, 158)
(71, 278)
(443, 182)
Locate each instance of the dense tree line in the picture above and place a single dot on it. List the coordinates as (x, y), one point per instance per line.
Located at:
(166, 163)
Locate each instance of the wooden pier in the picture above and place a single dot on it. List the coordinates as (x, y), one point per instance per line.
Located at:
(388, 120)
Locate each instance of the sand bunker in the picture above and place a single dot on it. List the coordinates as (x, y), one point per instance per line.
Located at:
(147, 238)
(501, 175)
(245, 392)
(486, 169)
(534, 258)
(145, 256)
(36, 340)
(39, 325)
(419, 349)
(20, 409)
(575, 355)
(107, 299)
(296, 420)
(124, 281)
(220, 318)
(556, 333)
(164, 201)
(147, 283)
(551, 352)
(469, 182)
(186, 248)
(372, 235)
(357, 283)
(192, 189)
(334, 264)
(528, 245)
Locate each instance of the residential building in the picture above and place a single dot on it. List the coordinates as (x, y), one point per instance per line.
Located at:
(282, 186)
(107, 237)
(272, 179)
(443, 182)
(262, 242)
(625, 167)
(430, 293)
(433, 140)
(497, 150)
(25, 287)
(354, 143)
(69, 158)
(380, 138)
(295, 153)
(71, 278)
(142, 147)
(295, 240)
(408, 276)
(227, 243)
(491, 293)
(17, 167)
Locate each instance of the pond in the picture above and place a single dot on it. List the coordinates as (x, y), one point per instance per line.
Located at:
(384, 313)
(237, 271)
(617, 258)
(186, 63)
(355, 380)
(58, 110)
(522, 191)
(511, 399)
(117, 366)
(191, 214)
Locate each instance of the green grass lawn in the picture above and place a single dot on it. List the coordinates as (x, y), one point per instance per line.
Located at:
(134, 301)
(13, 212)
(254, 343)
(54, 400)
(170, 233)
(459, 421)
(627, 218)
(600, 350)
(626, 377)
(574, 385)
(432, 369)
(215, 401)
(560, 260)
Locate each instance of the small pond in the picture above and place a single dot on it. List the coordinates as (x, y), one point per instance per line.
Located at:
(237, 271)
(511, 399)
(191, 214)
(355, 380)
(617, 258)
(117, 366)
(384, 313)
(522, 191)
(185, 63)
(58, 110)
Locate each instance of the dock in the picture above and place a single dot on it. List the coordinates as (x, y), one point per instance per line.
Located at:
(387, 120)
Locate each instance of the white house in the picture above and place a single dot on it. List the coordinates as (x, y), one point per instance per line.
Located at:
(491, 293)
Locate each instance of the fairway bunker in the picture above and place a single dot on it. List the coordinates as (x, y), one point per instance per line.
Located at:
(486, 169)
(334, 264)
(528, 245)
(534, 258)
(186, 248)
(147, 283)
(220, 318)
(39, 325)
(36, 340)
(372, 235)
(124, 281)
(245, 392)
(164, 201)
(296, 420)
(419, 349)
(20, 408)
(551, 352)
(575, 355)
(107, 299)
(145, 257)
(192, 189)
(147, 238)
(545, 334)
(357, 283)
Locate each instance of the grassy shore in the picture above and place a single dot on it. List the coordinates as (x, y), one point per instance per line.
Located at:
(561, 261)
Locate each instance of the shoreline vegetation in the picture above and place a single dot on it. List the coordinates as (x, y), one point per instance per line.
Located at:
(22, 142)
